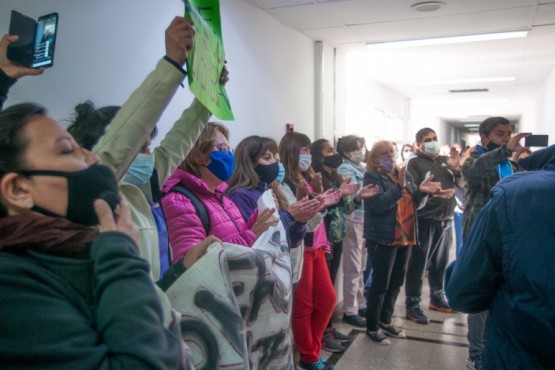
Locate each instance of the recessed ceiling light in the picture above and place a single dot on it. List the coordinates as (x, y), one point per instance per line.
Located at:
(383, 45)
(428, 6)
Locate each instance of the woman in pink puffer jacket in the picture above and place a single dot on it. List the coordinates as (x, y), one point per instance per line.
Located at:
(204, 172)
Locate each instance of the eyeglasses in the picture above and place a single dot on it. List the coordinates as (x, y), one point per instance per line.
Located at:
(222, 147)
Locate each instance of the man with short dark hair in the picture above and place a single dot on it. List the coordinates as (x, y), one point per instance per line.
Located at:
(485, 166)
(435, 226)
(506, 266)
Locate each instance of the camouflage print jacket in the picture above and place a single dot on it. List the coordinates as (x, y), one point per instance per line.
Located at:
(335, 218)
(481, 174)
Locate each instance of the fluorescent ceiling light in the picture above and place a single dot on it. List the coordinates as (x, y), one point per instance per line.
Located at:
(471, 81)
(446, 40)
(470, 125)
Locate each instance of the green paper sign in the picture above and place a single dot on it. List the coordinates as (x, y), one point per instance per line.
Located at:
(206, 59)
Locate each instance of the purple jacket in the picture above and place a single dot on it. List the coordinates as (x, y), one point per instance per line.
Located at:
(184, 225)
(246, 200)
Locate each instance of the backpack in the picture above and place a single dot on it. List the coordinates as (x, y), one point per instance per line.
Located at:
(200, 208)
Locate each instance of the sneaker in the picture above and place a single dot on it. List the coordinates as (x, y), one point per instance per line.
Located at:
(321, 364)
(337, 335)
(331, 345)
(415, 314)
(378, 337)
(355, 320)
(393, 331)
(362, 312)
(439, 303)
(327, 365)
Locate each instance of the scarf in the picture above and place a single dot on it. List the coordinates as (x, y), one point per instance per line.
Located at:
(49, 235)
(503, 169)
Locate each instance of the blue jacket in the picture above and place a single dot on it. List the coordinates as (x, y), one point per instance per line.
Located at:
(380, 211)
(507, 266)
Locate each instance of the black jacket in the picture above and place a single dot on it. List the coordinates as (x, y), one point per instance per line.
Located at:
(420, 167)
(380, 211)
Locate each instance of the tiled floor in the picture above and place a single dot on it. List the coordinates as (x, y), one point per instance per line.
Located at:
(440, 345)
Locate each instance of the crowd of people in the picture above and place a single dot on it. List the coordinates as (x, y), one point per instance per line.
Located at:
(96, 227)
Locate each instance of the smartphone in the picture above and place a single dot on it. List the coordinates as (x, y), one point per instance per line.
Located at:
(536, 140)
(37, 40)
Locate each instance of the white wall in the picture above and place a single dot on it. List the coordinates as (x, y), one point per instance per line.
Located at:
(371, 109)
(106, 48)
(545, 109)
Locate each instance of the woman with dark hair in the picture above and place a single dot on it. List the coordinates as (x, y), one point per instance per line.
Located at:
(314, 297)
(326, 160)
(204, 173)
(121, 137)
(256, 169)
(406, 152)
(75, 295)
(351, 147)
(389, 230)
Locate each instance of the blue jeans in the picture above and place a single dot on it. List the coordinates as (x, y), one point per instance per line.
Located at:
(457, 218)
(477, 333)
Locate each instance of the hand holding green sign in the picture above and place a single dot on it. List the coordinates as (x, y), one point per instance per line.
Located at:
(205, 61)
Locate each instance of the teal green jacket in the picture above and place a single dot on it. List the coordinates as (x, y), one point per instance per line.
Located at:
(98, 313)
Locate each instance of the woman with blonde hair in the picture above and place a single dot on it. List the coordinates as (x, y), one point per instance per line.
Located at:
(389, 229)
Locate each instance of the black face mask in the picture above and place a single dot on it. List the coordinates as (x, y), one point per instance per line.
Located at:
(333, 161)
(83, 188)
(267, 172)
(491, 146)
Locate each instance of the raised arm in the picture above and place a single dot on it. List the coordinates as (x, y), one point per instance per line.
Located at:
(10, 72)
(139, 114)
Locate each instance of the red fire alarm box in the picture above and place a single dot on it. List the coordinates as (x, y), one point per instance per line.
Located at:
(289, 127)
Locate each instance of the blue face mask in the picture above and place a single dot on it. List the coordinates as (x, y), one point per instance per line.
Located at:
(221, 164)
(140, 170)
(281, 173)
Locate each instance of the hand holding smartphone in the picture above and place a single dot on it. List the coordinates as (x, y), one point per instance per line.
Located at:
(37, 40)
(536, 140)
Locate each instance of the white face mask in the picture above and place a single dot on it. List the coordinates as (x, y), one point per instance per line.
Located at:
(357, 156)
(432, 148)
(304, 161)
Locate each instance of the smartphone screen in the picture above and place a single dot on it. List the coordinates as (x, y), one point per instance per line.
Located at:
(536, 140)
(45, 41)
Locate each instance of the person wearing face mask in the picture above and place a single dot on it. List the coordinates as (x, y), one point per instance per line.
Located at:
(354, 253)
(326, 160)
(485, 166)
(407, 151)
(435, 226)
(256, 169)
(204, 172)
(390, 230)
(118, 134)
(314, 297)
(58, 274)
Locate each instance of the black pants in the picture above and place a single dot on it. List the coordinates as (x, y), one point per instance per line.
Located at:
(389, 263)
(431, 253)
(334, 259)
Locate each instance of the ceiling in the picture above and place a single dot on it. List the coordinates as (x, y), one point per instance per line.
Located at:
(430, 72)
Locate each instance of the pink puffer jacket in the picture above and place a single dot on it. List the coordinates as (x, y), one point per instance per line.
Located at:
(184, 225)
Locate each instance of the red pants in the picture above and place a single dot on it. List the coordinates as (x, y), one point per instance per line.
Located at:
(313, 304)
